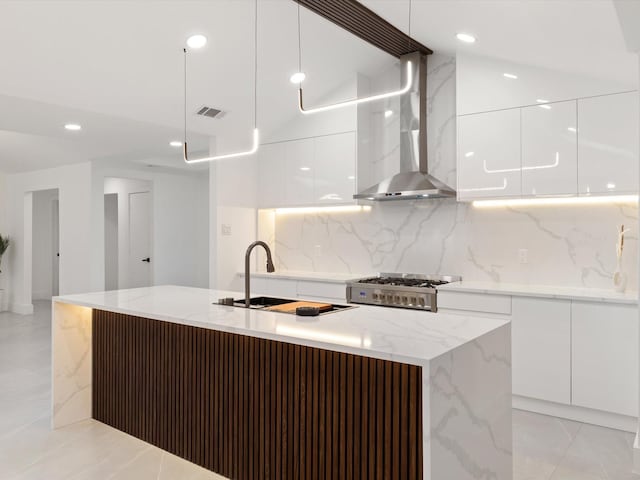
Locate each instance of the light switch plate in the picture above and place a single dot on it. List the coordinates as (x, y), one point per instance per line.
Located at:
(225, 229)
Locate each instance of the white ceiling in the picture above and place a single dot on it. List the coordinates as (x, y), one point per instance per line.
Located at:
(117, 66)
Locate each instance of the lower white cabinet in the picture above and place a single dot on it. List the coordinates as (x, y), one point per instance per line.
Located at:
(583, 356)
(541, 348)
(605, 357)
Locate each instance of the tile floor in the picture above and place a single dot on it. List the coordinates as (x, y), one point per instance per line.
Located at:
(545, 448)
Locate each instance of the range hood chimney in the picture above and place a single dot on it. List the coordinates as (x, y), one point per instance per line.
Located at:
(413, 182)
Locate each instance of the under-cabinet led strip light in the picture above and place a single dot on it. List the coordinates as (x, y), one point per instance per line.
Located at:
(332, 209)
(256, 133)
(357, 101)
(532, 202)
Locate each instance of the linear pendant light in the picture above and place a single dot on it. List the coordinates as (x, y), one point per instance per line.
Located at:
(355, 101)
(256, 133)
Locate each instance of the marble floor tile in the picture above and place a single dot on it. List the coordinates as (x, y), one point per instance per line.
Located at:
(545, 448)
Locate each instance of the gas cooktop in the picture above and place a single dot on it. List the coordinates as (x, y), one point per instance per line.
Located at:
(415, 291)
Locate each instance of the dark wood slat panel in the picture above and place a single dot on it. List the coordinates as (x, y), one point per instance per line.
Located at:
(250, 408)
(357, 19)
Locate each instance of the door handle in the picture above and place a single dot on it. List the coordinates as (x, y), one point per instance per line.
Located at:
(148, 260)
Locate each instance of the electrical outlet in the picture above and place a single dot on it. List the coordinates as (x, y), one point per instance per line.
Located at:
(523, 256)
(226, 229)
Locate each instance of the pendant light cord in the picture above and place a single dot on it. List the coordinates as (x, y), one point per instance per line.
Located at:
(299, 42)
(255, 68)
(185, 95)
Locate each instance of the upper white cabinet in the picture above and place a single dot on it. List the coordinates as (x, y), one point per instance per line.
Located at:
(489, 155)
(335, 163)
(271, 174)
(299, 166)
(310, 171)
(604, 351)
(608, 144)
(549, 149)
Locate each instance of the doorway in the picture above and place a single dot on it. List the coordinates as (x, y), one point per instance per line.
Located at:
(45, 263)
(128, 233)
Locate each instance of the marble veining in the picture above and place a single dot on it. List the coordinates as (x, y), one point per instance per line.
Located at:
(466, 415)
(568, 245)
(544, 447)
(408, 336)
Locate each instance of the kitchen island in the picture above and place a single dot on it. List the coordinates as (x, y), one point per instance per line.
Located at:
(367, 392)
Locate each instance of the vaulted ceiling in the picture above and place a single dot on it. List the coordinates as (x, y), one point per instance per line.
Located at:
(116, 67)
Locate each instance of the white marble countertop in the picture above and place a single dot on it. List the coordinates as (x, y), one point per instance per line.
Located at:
(326, 277)
(407, 336)
(547, 291)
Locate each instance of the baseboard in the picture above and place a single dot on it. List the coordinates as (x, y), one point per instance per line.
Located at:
(22, 308)
(579, 414)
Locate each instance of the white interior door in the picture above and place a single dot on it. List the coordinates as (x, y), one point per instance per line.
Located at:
(140, 269)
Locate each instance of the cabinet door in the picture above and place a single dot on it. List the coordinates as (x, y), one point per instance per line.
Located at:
(271, 175)
(489, 155)
(299, 172)
(335, 163)
(541, 349)
(549, 149)
(605, 357)
(608, 144)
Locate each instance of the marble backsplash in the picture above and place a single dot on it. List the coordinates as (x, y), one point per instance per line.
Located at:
(567, 245)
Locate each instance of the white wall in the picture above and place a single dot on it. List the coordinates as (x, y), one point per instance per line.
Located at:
(123, 188)
(180, 223)
(482, 87)
(74, 185)
(42, 244)
(233, 205)
(3, 231)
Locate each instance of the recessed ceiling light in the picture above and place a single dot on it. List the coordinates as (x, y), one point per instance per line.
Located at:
(175, 143)
(546, 107)
(305, 169)
(611, 185)
(196, 41)
(469, 154)
(297, 77)
(572, 129)
(388, 113)
(73, 126)
(510, 75)
(541, 100)
(466, 38)
(351, 177)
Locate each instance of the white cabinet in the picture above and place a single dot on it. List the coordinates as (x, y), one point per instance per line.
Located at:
(541, 349)
(608, 144)
(605, 357)
(299, 172)
(549, 149)
(311, 171)
(334, 291)
(322, 291)
(489, 155)
(335, 163)
(271, 175)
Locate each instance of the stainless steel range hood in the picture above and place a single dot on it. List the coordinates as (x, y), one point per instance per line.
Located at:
(413, 182)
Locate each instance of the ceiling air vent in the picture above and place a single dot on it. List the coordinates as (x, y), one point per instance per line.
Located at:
(210, 112)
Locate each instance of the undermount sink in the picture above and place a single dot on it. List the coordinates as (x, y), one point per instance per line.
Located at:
(266, 302)
(262, 302)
